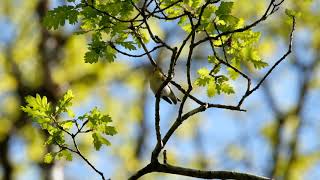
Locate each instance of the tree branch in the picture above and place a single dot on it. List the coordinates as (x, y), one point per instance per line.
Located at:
(274, 66)
(272, 7)
(166, 168)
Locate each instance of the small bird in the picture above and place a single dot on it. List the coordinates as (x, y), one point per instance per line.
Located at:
(156, 79)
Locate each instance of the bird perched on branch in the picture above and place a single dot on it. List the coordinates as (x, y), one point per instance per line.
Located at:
(156, 80)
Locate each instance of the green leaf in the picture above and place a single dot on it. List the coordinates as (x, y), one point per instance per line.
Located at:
(193, 3)
(227, 88)
(37, 107)
(56, 135)
(259, 64)
(91, 57)
(57, 17)
(224, 8)
(217, 69)
(211, 90)
(67, 124)
(70, 113)
(232, 73)
(96, 118)
(230, 20)
(98, 141)
(227, 22)
(204, 77)
(49, 157)
(203, 72)
(64, 103)
(110, 130)
(66, 154)
(213, 60)
(292, 13)
(128, 45)
(184, 24)
(110, 54)
(187, 27)
(209, 11)
(221, 79)
(99, 49)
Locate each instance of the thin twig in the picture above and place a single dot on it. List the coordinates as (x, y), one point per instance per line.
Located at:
(85, 159)
(135, 55)
(274, 66)
(270, 10)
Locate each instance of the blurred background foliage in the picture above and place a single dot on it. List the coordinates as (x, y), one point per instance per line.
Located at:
(278, 136)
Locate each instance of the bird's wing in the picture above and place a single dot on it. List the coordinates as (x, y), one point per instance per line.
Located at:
(173, 98)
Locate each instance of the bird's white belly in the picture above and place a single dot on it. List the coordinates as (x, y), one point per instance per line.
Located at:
(165, 91)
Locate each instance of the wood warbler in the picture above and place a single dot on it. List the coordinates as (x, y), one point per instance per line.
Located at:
(156, 80)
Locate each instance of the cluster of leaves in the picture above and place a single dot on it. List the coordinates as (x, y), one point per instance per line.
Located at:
(219, 15)
(61, 14)
(216, 84)
(120, 23)
(243, 49)
(47, 116)
(101, 18)
(236, 48)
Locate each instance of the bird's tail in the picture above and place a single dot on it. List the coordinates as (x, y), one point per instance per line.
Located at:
(173, 98)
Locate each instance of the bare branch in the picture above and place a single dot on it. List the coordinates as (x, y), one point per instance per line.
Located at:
(166, 168)
(274, 66)
(85, 159)
(133, 55)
